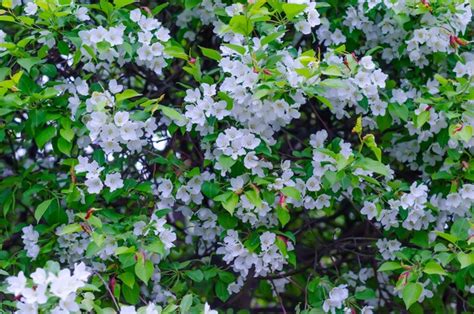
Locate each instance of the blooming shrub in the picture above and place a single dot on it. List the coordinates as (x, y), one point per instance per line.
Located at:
(197, 156)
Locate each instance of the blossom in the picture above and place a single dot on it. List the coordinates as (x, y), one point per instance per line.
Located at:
(113, 181)
(207, 309)
(369, 209)
(16, 285)
(336, 298)
(31, 8)
(127, 309)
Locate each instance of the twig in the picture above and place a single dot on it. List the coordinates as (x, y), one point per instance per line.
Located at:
(109, 291)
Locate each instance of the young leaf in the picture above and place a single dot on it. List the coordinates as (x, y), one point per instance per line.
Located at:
(41, 209)
(387, 266)
(144, 269)
(293, 9)
(411, 293)
(434, 268)
(211, 53)
(291, 192)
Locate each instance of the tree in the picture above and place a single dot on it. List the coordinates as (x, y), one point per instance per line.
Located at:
(263, 156)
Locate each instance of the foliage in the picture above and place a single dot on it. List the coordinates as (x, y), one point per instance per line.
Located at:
(247, 156)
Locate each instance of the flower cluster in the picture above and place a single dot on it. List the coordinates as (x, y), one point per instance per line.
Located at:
(285, 156)
(45, 284)
(30, 241)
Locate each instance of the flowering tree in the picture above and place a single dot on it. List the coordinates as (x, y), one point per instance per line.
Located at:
(266, 156)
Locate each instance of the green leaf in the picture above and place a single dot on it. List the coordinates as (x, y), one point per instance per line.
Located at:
(221, 291)
(28, 63)
(254, 197)
(67, 134)
(196, 275)
(269, 38)
(282, 247)
(126, 94)
(332, 70)
(400, 111)
(241, 24)
(231, 203)
(68, 229)
(369, 140)
(236, 48)
(171, 113)
(122, 3)
(127, 278)
(465, 259)
(446, 236)
(7, 18)
(372, 165)
(422, 118)
(41, 209)
(325, 101)
(64, 146)
(186, 303)
(210, 189)
(291, 192)
(293, 9)
(411, 293)
(466, 133)
(124, 250)
(44, 136)
(226, 161)
(387, 266)
(333, 83)
(159, 8)
(176, 51)
(434, 268)
(144, 269)
(189, 4)
(460, 228)
(283, 215)
(365, 294)
(211, 53)
(156, 246)
(227, 221)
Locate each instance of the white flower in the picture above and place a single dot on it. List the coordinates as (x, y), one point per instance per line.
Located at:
(366, 63)
(135, 15)
(207, 309)
(81, 86)
(367, 310)
(167, 237)
(114, 87)
(165, 188)
(467, 192)
(31, 8)
(313, 184)
(82, 15)
(336, 298)
(94, 185)
(379, 78)
(251, 160)
(24, 308)
(139, 227)
(80, 272)
(17, 284)
(369, 209)
(114, 36)
(40, 277)
(127, 309)
(121, 117)
(128, 131)
(113, 181)
(267, 239)
(69, 303)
